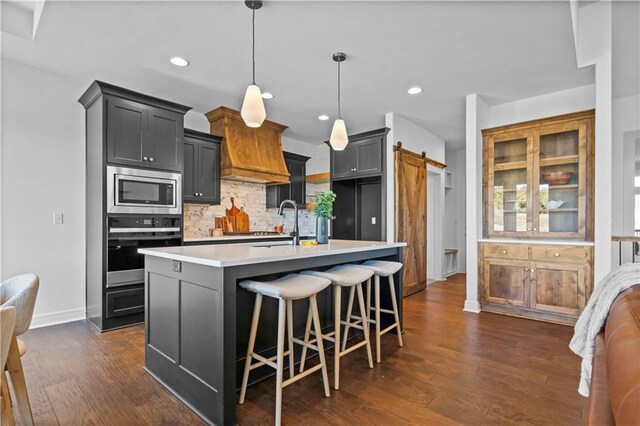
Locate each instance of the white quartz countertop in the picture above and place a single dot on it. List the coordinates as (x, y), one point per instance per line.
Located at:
(223, 255)
(242, 238)
(547, 242)
(235, 238)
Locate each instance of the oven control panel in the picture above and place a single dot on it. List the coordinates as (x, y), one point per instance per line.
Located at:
(144, 225)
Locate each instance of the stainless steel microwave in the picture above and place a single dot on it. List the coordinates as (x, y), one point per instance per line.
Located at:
(143, 191)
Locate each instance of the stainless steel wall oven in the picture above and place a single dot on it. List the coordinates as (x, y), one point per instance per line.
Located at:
(127, 234)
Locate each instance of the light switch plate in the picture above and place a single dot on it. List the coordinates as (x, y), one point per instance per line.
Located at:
(58, 219)
(373, 220)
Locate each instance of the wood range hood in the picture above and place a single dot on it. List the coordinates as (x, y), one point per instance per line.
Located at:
(249, 154)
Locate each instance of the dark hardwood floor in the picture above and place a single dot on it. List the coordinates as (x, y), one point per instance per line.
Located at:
(455, 367)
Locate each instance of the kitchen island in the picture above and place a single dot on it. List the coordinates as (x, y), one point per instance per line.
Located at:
(197, 318)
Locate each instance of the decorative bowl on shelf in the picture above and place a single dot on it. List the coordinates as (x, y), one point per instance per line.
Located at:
(557, 178)
(553, 204)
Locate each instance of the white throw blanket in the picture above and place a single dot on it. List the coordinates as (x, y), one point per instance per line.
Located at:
(595, 314)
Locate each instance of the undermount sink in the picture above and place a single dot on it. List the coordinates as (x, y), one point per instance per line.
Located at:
(268, 244)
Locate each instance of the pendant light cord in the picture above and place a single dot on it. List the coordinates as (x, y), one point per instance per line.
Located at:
(339, 114)
(253, 45)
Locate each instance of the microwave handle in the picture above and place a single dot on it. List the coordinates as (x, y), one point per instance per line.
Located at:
(130, 230)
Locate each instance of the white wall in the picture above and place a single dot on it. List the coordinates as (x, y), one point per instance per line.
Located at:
(42, 172)
(455, 208)
(548, 105)
(431, 228)
(595, 47)
(476, 115)
(319, 162)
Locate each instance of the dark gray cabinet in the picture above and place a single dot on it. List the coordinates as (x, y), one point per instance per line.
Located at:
(201, 176)
(362, 157)
(124, 128)
(296, 188)
(142, 135)
(358, 177)
(164, 142)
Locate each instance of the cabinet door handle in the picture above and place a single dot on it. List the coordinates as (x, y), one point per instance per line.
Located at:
(535, 229)
(528, 229)
(144, 158)
(201, 194)
(532, 270)
(556, 254)
(526, 269)
(151, 159)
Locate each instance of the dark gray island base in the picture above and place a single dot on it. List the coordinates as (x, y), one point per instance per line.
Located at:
(198, 318)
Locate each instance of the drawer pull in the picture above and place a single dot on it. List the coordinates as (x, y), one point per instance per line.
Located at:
(504, 252)
(556, 254)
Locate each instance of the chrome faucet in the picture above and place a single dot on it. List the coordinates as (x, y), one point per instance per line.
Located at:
(295, 233)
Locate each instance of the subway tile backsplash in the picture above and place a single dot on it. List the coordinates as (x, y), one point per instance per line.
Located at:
(198, 218)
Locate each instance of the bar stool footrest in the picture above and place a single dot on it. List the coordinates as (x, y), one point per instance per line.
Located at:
(307, 344)
(388, 329)
(352, 348)
(386, 311)
(299, 376)
(265, 361)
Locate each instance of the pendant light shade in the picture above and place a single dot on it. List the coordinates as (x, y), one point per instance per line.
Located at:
(253, 112)
(339, 138)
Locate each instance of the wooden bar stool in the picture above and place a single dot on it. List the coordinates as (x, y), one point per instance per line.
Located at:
(350, 276)
(286, 290)
(380, 268)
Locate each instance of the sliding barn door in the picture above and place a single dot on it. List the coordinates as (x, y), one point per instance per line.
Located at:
(411, 217)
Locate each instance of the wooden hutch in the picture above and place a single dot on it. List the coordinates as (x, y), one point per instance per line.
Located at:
(536, 259)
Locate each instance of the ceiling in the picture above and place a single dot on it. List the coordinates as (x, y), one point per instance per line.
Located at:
(501, 50)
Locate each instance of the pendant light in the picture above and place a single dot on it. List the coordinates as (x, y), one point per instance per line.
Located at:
(339, 138)
(253, 112)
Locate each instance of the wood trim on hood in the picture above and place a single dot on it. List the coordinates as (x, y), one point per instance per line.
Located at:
(249, 154)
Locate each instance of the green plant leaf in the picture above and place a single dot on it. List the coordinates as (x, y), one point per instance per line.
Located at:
(324, 204)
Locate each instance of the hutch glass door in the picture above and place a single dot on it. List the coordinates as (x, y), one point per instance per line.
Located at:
(560, 172)
(508, 184)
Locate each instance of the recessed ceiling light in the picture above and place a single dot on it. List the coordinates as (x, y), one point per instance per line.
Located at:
(179, 62)
(323, 117)
(267, 95)
(414, 90)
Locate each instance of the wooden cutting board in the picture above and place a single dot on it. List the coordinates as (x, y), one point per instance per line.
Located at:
(233, 211)
(242, 221)
(230, 217)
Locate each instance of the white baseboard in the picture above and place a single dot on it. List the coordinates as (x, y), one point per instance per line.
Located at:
(472, 306)
(59, 317)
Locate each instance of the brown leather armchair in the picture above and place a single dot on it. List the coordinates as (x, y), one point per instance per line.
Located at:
(614, 395)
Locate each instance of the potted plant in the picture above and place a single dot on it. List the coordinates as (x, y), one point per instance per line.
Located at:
(324, 212)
